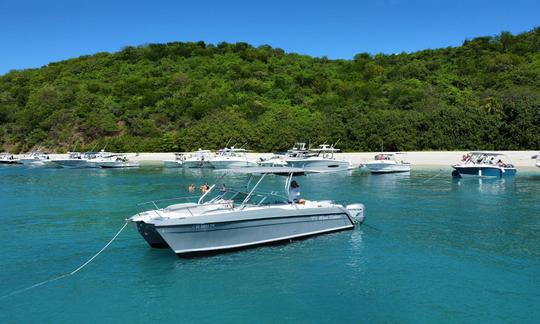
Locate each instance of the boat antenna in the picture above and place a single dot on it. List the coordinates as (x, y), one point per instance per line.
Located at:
(92, 150)
(382, 146)
(227, 145)
(336, 143)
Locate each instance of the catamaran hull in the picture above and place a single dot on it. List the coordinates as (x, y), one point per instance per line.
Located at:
(387, 168)
(484, 171)
(150, 235)
(320, 166)
(189, 239)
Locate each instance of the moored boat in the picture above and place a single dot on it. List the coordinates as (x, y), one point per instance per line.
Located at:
(198, 159)
(77, 160)
(234, 219)
(8, 158)
(231, 157)
(36, 159)
(316, 160)
(388, 163)
(114, 161)
(177, 162)
(484, 164)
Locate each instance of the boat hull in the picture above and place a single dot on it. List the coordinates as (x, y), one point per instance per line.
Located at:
(150, 235)
(117, 165)
(231, 164)
(197, 165)
(387, 168)
(319, 165)
(75, 163)
(245, 231)
(484, 171)
(172, 164)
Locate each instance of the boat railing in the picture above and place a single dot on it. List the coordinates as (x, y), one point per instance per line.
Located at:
(158, 204)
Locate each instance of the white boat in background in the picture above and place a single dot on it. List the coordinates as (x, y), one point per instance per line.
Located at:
(232, 157)
(113, 161)
(78, 160)
(179, 159)
(198, 159)
(484, 164)
(36, 159)
(8, 158)
(231, 219)
(316, 160)
(388, 163)
(276, 160)
(537, 158)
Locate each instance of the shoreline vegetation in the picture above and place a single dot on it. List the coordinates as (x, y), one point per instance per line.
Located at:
(182, 96)
(424, 158)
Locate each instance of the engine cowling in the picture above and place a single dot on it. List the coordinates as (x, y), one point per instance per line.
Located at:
(356, 211)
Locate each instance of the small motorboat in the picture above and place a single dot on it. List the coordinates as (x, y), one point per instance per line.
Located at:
(198, 159)
(320, 159)
(8, 158)
(36, 159)
(114, 161)
(177, 162)
(77, 160)
(388, 163)
(484, 164)
(228, 219)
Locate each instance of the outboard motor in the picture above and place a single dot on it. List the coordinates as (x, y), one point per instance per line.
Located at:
(357, 212)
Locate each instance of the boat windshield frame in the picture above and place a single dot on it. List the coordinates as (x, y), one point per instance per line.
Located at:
(487, 158)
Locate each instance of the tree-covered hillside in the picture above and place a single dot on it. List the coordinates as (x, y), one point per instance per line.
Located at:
(484, 94)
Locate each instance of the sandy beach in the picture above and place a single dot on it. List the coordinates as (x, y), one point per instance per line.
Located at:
(422, 158)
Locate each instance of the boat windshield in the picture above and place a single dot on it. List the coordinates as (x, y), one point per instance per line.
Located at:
(487, 158)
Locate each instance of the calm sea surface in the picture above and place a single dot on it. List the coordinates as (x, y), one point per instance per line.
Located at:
(432, 249)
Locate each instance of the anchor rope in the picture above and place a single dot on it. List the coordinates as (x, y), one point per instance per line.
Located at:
(435, 176)
(16, 292)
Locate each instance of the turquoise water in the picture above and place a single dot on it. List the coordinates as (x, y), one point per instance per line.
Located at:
(432, 249)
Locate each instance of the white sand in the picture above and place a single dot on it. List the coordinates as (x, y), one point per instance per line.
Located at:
(432, 158)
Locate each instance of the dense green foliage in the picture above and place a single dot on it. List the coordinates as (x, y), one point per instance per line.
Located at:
(484, 94)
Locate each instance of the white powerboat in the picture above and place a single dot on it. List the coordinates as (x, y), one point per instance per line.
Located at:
(177, 162)
(232, 157)
(484, 164)
(78, 160)
(8, 158)
(316, 160)
(388, 163)
(198, 159)
(238, 219)
(113, 161)
(276, 160)
(36, 159)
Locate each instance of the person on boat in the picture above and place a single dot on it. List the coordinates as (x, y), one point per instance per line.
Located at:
(191, 187)
(294, 193)
(500, 163)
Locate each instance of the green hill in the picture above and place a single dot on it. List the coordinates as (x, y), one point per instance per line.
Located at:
(484, 94)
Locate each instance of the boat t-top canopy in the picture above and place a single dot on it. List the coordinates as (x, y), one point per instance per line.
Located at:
(325, 148)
